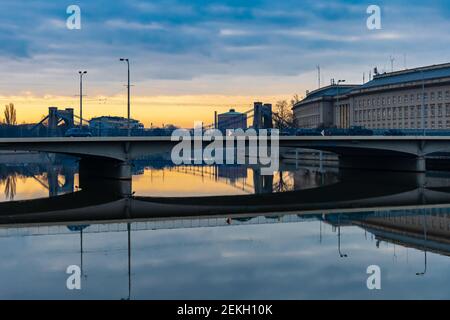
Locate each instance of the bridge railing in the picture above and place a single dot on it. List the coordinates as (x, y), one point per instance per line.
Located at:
(30, 131)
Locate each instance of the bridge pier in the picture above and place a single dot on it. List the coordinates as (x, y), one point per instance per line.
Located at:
(105, 168)
(384, 163)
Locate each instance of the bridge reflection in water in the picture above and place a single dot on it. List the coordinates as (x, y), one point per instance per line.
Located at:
(397, 207)
(406, 209)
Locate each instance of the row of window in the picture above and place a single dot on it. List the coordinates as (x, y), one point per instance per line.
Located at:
(309, 121)
(409, 125)
(407, 98)
(402, 112)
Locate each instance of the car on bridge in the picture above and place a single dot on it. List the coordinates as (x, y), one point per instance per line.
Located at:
(77, 132)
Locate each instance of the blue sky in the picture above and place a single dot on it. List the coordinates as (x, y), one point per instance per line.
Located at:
(211, 47)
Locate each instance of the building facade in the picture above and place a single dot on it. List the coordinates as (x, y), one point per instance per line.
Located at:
(410, 99)
(318, 108)
(107, 125)
(231, 120)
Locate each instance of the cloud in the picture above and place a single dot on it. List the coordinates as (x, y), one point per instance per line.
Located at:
(121, 24)
(175, 40)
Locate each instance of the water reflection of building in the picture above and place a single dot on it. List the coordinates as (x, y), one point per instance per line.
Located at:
(232, 173)
(55, 174)
(429, 232)
(307, 179)
(425, 231)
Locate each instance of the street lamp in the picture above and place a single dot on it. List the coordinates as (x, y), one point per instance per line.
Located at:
(342, 255)
(424, 247)
(81, 97)
(128, 86)
(337, 101)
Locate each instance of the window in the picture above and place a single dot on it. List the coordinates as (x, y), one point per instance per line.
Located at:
(432, 96)
(439, 95)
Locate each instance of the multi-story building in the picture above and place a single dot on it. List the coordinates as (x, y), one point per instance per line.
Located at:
(231, 120)
(318, 108)
(107, 125)
(409, 99)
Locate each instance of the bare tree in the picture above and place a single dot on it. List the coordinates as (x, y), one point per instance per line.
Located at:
(10, 115)
(10, 187)
(284, 116)
(295, 98)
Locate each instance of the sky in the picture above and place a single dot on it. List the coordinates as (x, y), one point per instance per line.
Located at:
(190, 58)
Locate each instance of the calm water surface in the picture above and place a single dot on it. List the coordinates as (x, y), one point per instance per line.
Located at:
(281, 255)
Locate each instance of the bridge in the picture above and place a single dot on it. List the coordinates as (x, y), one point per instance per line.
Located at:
(112, 156)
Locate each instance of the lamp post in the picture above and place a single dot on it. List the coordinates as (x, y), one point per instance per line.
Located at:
(128, 86)
(81, 73)
(424, 246)
(342, 255)
(337, 101)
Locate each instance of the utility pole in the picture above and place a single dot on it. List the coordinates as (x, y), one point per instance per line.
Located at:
(392, 63)
(128, 103)
(318, 74)
(81, 73)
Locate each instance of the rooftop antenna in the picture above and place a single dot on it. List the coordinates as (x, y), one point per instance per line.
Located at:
(364, 77)
(370, 75)
(392, 63)
(318, 74)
